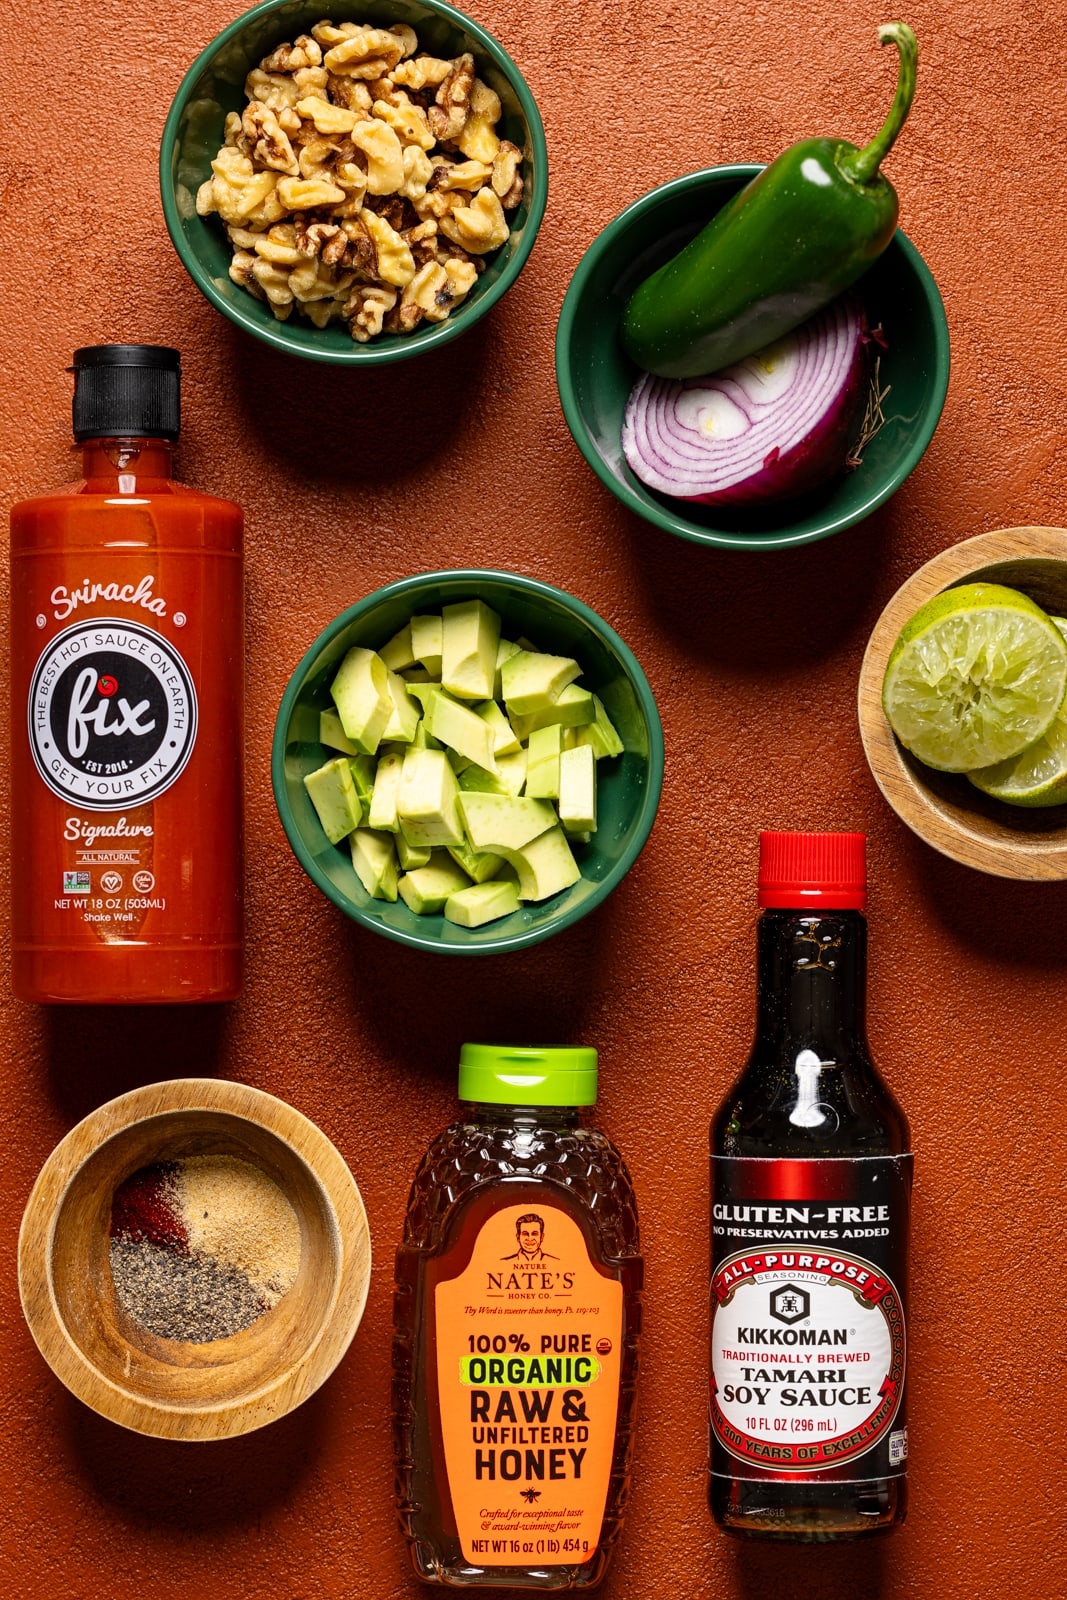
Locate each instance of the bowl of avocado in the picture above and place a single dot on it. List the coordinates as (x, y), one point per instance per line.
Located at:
(467, 761)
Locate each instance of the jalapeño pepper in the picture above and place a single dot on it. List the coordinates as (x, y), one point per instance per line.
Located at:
(796, 236)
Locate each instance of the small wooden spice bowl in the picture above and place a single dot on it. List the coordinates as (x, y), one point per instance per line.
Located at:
(162, 1386)
(941, 807)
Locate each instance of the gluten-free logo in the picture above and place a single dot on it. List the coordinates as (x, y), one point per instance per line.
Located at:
(112, 714)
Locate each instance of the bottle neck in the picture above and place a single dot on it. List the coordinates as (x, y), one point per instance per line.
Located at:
(489, 1114)
(126, 465)
(812, 984)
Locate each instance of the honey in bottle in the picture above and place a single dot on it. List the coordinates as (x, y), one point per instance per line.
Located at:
(811, 1184)
(126, 710)
(517, 1312)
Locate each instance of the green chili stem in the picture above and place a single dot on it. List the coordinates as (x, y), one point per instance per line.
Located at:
(862, 165)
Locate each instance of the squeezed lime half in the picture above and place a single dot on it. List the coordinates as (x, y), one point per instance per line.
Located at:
(977, 674)
(1038, 776)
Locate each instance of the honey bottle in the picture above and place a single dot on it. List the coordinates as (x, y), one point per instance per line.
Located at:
(811, 1184)
(517, 1313)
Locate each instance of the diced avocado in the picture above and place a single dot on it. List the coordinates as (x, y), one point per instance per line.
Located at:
(542, 762)
(600, 734)
(418, 675)
(504, 741)
(333, 794)
(531, 681)
(460, 729)
(363, 769)
(405, 715)
(374, 860)
(383, 800)
(458, 763)
(477, 864)
(505, 650)
(332, 734)
(495, 820)
(508, 778)
(426, 636)
(423, 692)
(399, 653)
(482, 902)
(577, 789)
(545, 865)
(360, 692)
(469, 649)
(412, 855)
(574, 708)
(427, 802)
(426, 889)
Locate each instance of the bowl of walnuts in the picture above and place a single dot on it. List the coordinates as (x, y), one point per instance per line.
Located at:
(353, 187)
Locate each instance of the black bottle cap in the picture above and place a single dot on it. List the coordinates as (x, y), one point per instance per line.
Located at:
(127, 391)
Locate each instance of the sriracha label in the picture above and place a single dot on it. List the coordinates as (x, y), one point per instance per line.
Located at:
(529, 1350)
(808, 1338)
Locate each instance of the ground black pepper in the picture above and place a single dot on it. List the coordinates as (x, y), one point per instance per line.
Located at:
(201, 1248)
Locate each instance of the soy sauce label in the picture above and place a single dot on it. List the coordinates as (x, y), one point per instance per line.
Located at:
(808, 1339)
(112, 714)
(529, 1343)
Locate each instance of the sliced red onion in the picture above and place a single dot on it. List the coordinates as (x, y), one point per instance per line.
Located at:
(777, 424)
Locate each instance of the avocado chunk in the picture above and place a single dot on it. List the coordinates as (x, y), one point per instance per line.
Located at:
(495, 820)
(383, 800)
(469, 649)
(477, 864)
(363, 769)
(508, 777)
(505, 650)
(505, 742)
(601, 733)
(460, 729)
(577, 790)
(574, 708)
(426, 636)
(482, 902)
(333, 794)
(427, 802)
(374, 861)
(361, 694)
(542, 762)
(412, 855)
(425, 889)
(405, 715)
(333, 735)
(544, 866)
(531, 681)
(399, 653)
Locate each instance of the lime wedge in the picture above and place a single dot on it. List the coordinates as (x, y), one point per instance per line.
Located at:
(1038, 776)
(977, 674)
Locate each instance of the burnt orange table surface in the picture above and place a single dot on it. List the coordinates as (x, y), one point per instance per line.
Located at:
(464, 459)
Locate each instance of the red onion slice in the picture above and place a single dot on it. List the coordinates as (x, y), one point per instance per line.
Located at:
(777, 424)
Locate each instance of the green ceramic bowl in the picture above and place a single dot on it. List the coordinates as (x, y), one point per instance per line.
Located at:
(193, 132)
(595, 376)
(628, 787)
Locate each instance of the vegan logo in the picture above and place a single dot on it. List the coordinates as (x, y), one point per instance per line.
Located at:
(112, 714)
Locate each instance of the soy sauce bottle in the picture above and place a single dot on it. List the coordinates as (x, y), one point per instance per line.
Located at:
(811, 1183)
(517, 1312)
(126, 683)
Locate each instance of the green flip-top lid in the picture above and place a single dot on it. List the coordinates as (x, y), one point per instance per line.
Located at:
(528, 1075)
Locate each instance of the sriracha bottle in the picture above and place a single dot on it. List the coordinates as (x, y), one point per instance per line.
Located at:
(517, 1312)
(811, 1182)
(126, 710)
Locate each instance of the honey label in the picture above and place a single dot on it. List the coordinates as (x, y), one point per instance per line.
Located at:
(808, 1336)
(529, 1352)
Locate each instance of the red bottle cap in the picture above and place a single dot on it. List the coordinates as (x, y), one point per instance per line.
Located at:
(821, 870)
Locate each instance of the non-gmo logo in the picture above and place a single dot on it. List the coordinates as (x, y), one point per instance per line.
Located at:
(112, 714)
(790, 1304)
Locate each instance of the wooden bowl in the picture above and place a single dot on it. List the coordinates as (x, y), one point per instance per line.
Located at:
(165, 1387)
(941, 807)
